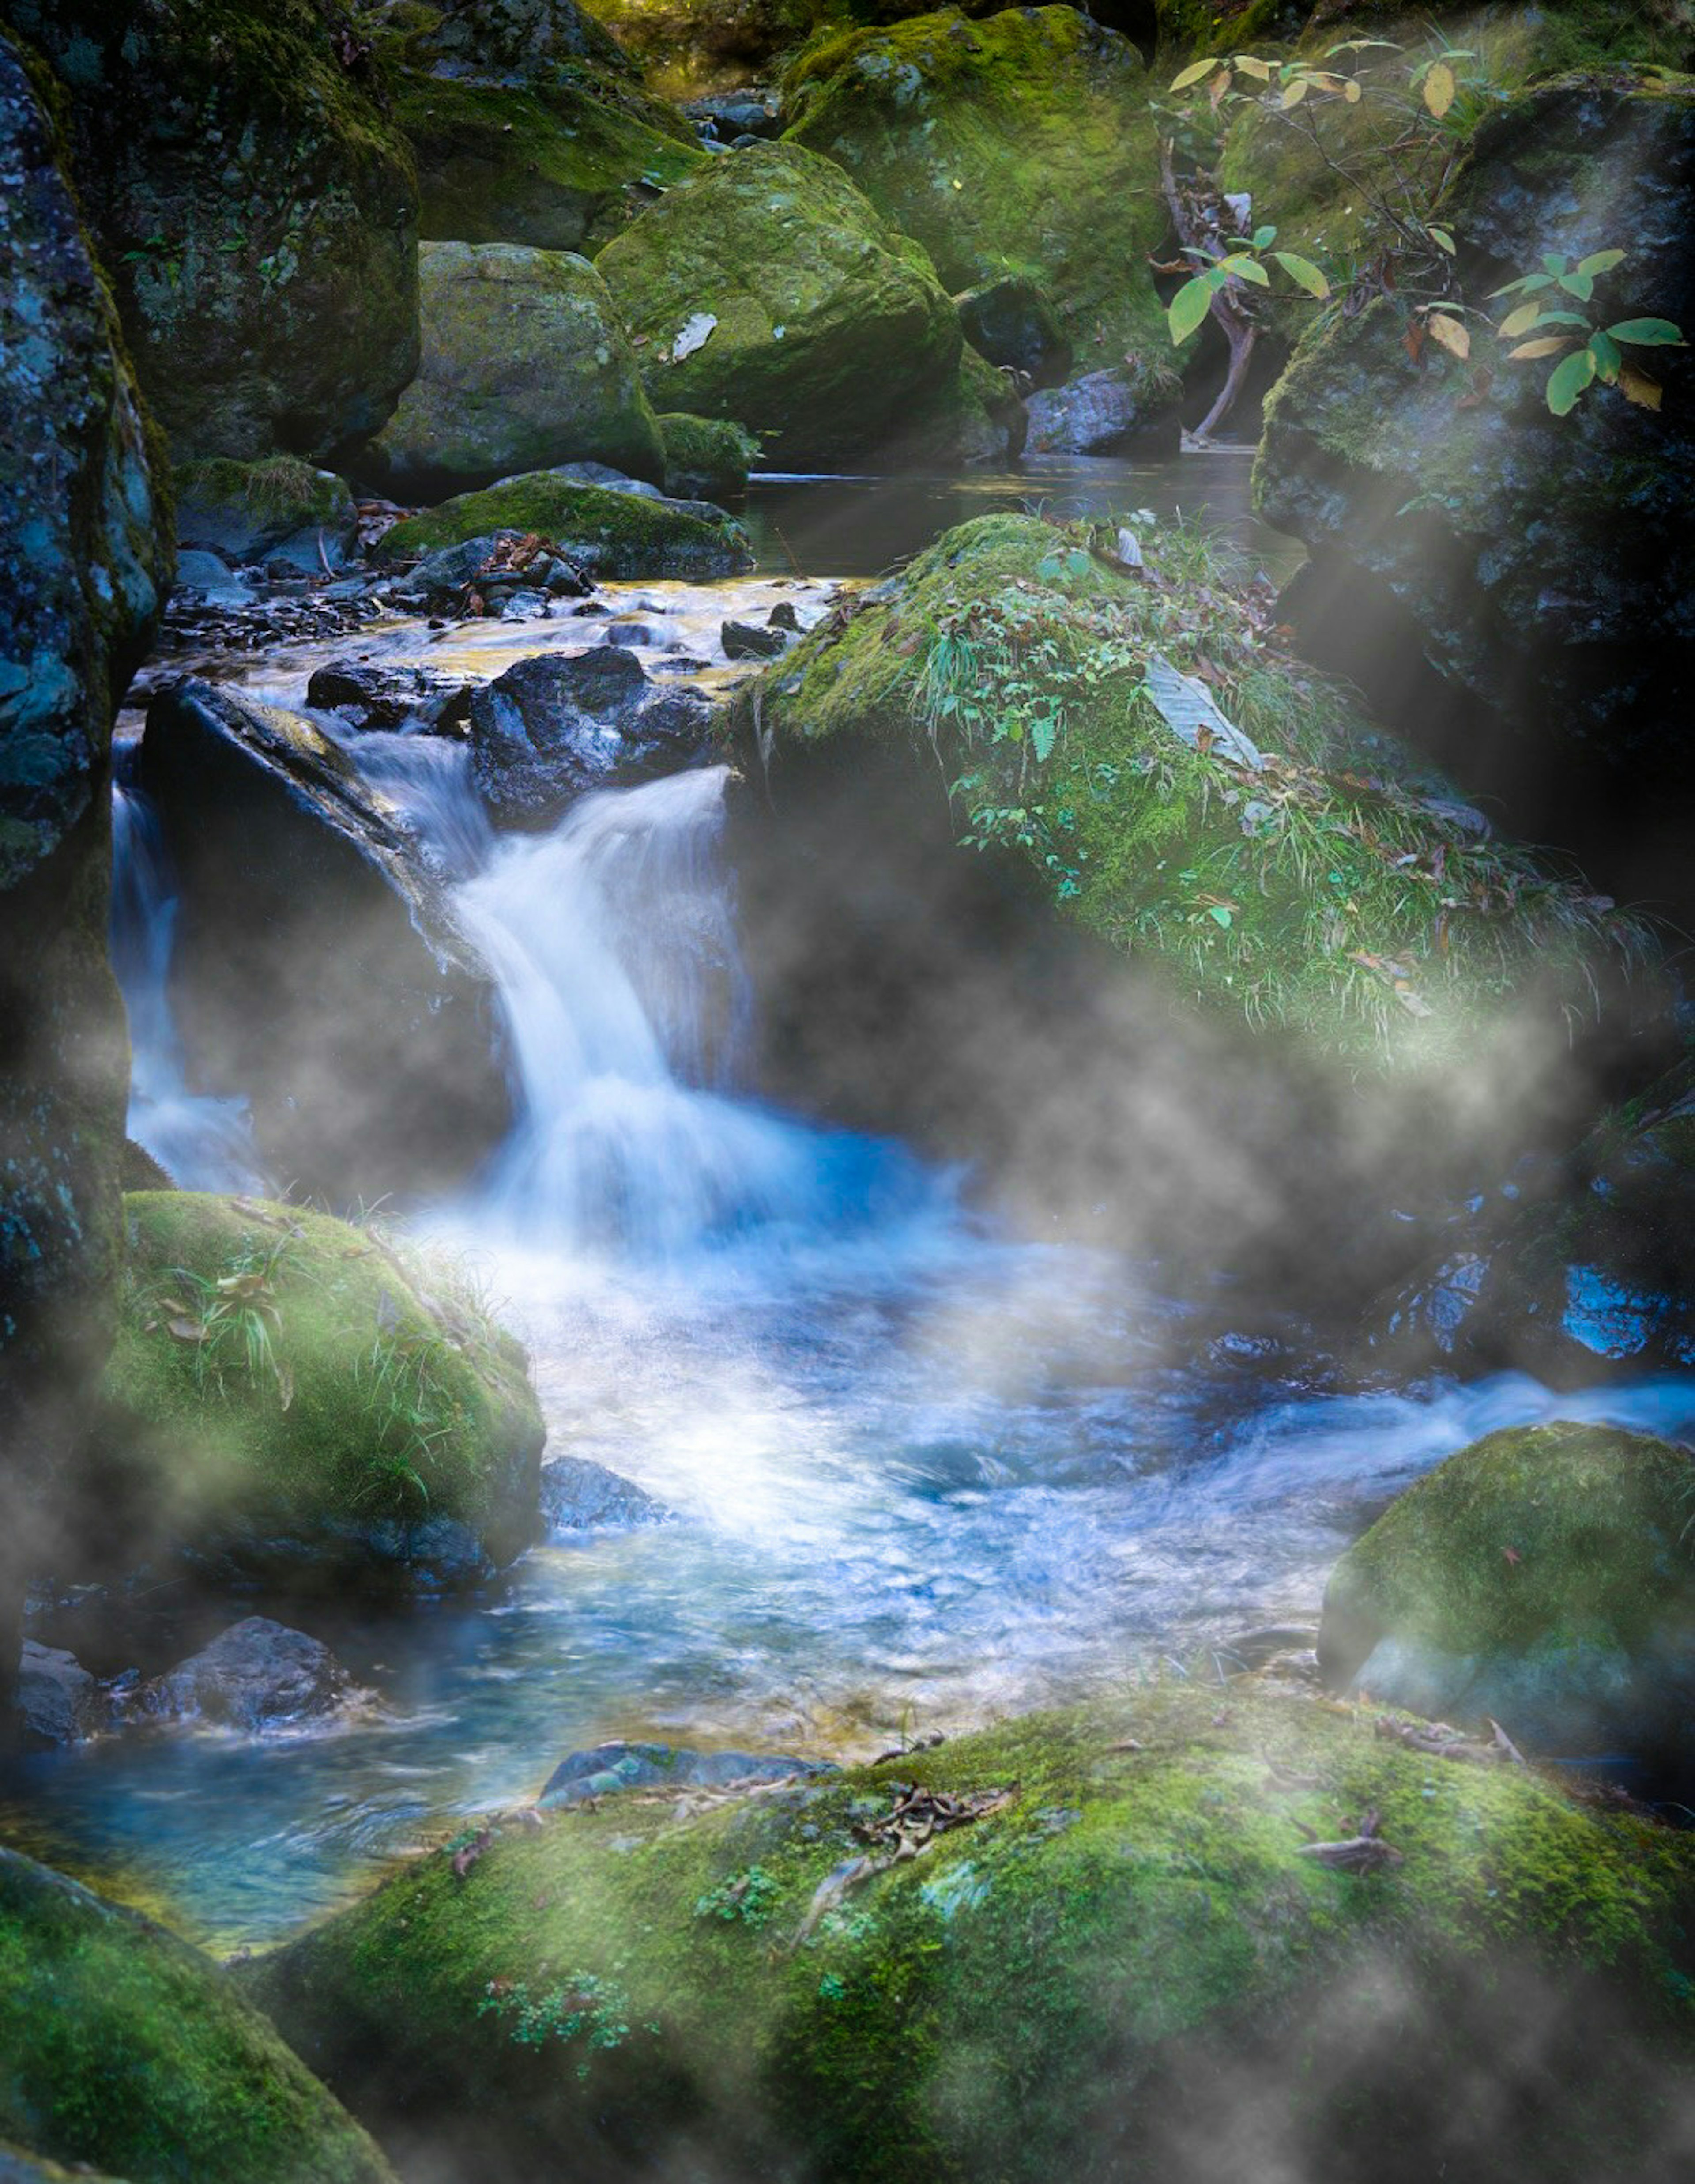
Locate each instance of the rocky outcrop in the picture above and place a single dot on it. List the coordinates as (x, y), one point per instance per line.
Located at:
(770, 292)
(1010, 321)
(256, 1675)
(1100, 414)
(553, 728)
(256, 208)
(315, 972)
(579, 1495)
(130, 2052)
(332, 1410)
(84, 558)
(707, 457)
(604, 533)
(280, 510)
(525, 366)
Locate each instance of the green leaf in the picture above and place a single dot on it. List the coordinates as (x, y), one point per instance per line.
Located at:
(1607, 356)
(1194, 74)
(1601, 261)
(1581, 285)
(1568, 380)
(1648, 333)
(1245, 269)
(1518, 321)
(1218, 915)
(1189, 307)
(1443, 239)
(1263, 238)
(1303, 273)
(1043, 731)
(1554, 261)
(1526, 286)
(1562, 319)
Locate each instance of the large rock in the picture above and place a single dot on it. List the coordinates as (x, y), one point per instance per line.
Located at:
(128, 2051)
(1117, 1951)
(769, 291)
(526, 123)
(525, 366)
(84, 557)
(315, 971)
(1541, 565)
(1098, 413)
(604, 533)
(1022, 144)
(1541, 1578)
(257, 209)
(554, 726)
(60, 1700)
(335, 1408)
(280, 510)
(256, 1675)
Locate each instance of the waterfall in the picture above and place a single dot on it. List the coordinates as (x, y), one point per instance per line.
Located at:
(203, 1143)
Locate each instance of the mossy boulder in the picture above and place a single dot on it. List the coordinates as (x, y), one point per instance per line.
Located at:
(770, 292)
(706, 458)
(1545, 1578)
(524, 365)
(332, 1398)
(613, 535)
(526, 124)
(1097, 1978)
(257, 209)
(1333, 889)
(281, 510)
(1011, 321)
(1018, 145)
(130, 2052)
(85, 563)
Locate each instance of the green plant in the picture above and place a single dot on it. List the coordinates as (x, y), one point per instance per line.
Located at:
(231, 1319)
(748, 1898)
(580, 2006)
(1588, 353)
(402, 1397)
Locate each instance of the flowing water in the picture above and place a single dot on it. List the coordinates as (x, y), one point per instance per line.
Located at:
(919, 1473)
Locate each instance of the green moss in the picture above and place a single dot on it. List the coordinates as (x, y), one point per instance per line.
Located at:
(1329, 893)
(126, 2049)
(1022, 144)
(279, 1371)
(707, 457)
(1133, 1911)
(614, 535)
(282, 486)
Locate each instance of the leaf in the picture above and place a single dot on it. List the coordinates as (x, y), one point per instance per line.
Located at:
(1443, 239)
(1043, 733)
(1545, 345)
(1648, 333)
(1246, 268)
(188, 1330)
(1189, 307)
(1350, 91)
(1601, 261)
(1439, 89)
(1263, 238)
(1195, 73)
(1526, 285)
(1449, 333)
(1303, 273)
(1261, 71)
(696, 332)
(1636, 386)
(1293, 93)
(1553, 262)
(1568, 381)
(1220, 916)
(1581, 285)
(1607, 355)
(1518, 321)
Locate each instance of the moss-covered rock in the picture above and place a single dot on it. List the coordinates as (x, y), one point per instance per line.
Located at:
(257, 209)
(1097, 1978)
(706, 458)
(1334, 890)
(1544, 1577)
(283, 509)
(85, 560)
(770, 292)
(284, 1384)
(613, 535)
(128, 2051)
(533, 132)
(1018, 145)
(524, 365)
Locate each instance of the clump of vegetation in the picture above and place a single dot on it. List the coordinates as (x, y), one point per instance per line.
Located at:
(744, 1898)
(581, 2007)
(1334, 885)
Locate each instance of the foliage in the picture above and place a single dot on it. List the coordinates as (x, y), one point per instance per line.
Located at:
(581, 2007)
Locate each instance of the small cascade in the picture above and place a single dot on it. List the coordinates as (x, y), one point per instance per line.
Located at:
(203, 1143)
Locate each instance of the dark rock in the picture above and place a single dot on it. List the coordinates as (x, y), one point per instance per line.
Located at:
(556, 725)
(198, 569)
(1011, 320)
(283, 513)
(746, 640)
(784, 616)
(60, 1700)
(608, 1768)
(1097, 415)
(578, 1495)
(316, 970)
(257, 1675)
(139, 1171)
(368, 697)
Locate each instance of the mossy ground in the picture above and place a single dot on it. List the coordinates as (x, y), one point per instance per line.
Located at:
(1018, 2002)
(1329, 893)
(278, 1371)
(613, 535)
(122, 2047)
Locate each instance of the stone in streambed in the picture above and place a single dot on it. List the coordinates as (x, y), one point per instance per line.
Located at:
(61, 1702)
(368, 697)
(610, 536)
(256, 1675)
(1097, 415)
(280, 510)
(557, 725)
(746, 640)
(608, 1768)
(706, 458)
(580, 1495)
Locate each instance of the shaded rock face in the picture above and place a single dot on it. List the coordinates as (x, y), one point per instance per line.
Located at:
(1010, 321)
(257, 1675)
(1096, 414)
(257, 210)
(282, 511)
(315, 972)
(1540, 565)
(61, 1702)
(130, 2052)
(514, 37)
(553, 728)
(1543, 1578)
(84, 560)
(525, 366)
(770, 292)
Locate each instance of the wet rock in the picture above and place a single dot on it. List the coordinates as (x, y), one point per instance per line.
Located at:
(524, 365)
(708, 458)
(277, 512)
(556, 725)
(578, 1495)
(200, 570)
(1010, 321)
(1097, 415)
(607, 1769)
(60, 1700)
(746, 640)
(611, 536)
(317, 972)
(453, 577)
(368, 697)
(256, 210)
(257, 1675)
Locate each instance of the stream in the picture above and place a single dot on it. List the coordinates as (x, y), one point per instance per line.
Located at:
(921, 1474)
